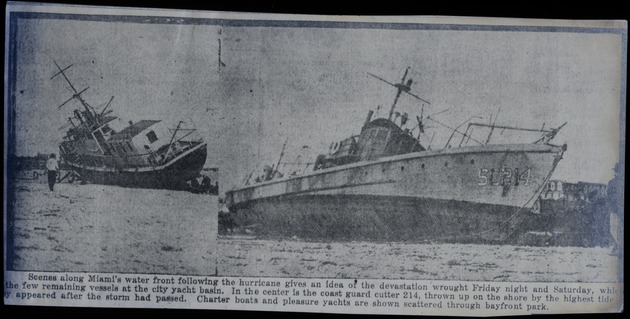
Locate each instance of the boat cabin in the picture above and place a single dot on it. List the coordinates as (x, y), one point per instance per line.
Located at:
(143, 143)
(136, 139)
(379, 138)
(382, 138)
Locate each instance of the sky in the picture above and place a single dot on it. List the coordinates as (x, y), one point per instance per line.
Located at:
(309, 86)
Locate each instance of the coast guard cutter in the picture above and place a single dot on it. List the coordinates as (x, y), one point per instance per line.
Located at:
(383, 184)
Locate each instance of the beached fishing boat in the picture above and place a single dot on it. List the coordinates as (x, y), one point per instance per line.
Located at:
(145, 154)
(383, 184)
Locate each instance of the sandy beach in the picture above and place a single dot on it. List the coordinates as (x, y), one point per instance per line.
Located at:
(243, 256)
(97, 228)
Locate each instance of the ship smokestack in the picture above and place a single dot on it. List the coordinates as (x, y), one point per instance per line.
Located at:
(369, 117)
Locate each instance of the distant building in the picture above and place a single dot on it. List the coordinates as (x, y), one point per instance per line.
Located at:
(572, 214)
(555, 190)
(580, 191)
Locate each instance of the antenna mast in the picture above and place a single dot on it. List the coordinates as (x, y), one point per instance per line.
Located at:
(402, 87)
(281, 155)
(77, 94)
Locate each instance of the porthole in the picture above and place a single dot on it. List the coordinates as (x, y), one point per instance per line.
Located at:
(422, 165)
(472, 161)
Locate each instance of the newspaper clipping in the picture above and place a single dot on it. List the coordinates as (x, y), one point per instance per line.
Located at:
(326, 164)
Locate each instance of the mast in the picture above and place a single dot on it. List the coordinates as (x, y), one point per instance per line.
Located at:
(281, 155)
(77, 94)
(220, 63)
(91, 117)
(401, 87)
(106, 106)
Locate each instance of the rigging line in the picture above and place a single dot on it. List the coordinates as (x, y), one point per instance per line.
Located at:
(428, 118)
(518, 210)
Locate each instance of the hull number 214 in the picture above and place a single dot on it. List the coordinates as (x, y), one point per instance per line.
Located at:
(504, 176)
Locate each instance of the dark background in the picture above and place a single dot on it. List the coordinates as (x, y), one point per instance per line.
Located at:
(509, 9)
(574, 10)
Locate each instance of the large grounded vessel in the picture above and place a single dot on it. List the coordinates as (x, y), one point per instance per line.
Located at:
(384, 185)
(145, 154)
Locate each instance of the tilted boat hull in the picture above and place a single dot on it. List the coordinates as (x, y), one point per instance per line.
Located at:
(384, 218)
(173, 175)
(472, 194)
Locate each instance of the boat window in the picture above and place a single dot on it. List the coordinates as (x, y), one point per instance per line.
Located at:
(152, 137)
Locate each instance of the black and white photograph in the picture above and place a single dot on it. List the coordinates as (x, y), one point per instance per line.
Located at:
(386, 163)
(109, 164)
(453, 152)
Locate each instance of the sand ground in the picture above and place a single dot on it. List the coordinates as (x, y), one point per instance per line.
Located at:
(97, 228)
(242, 256)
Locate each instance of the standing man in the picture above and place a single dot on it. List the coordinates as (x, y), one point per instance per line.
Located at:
(52, 166)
